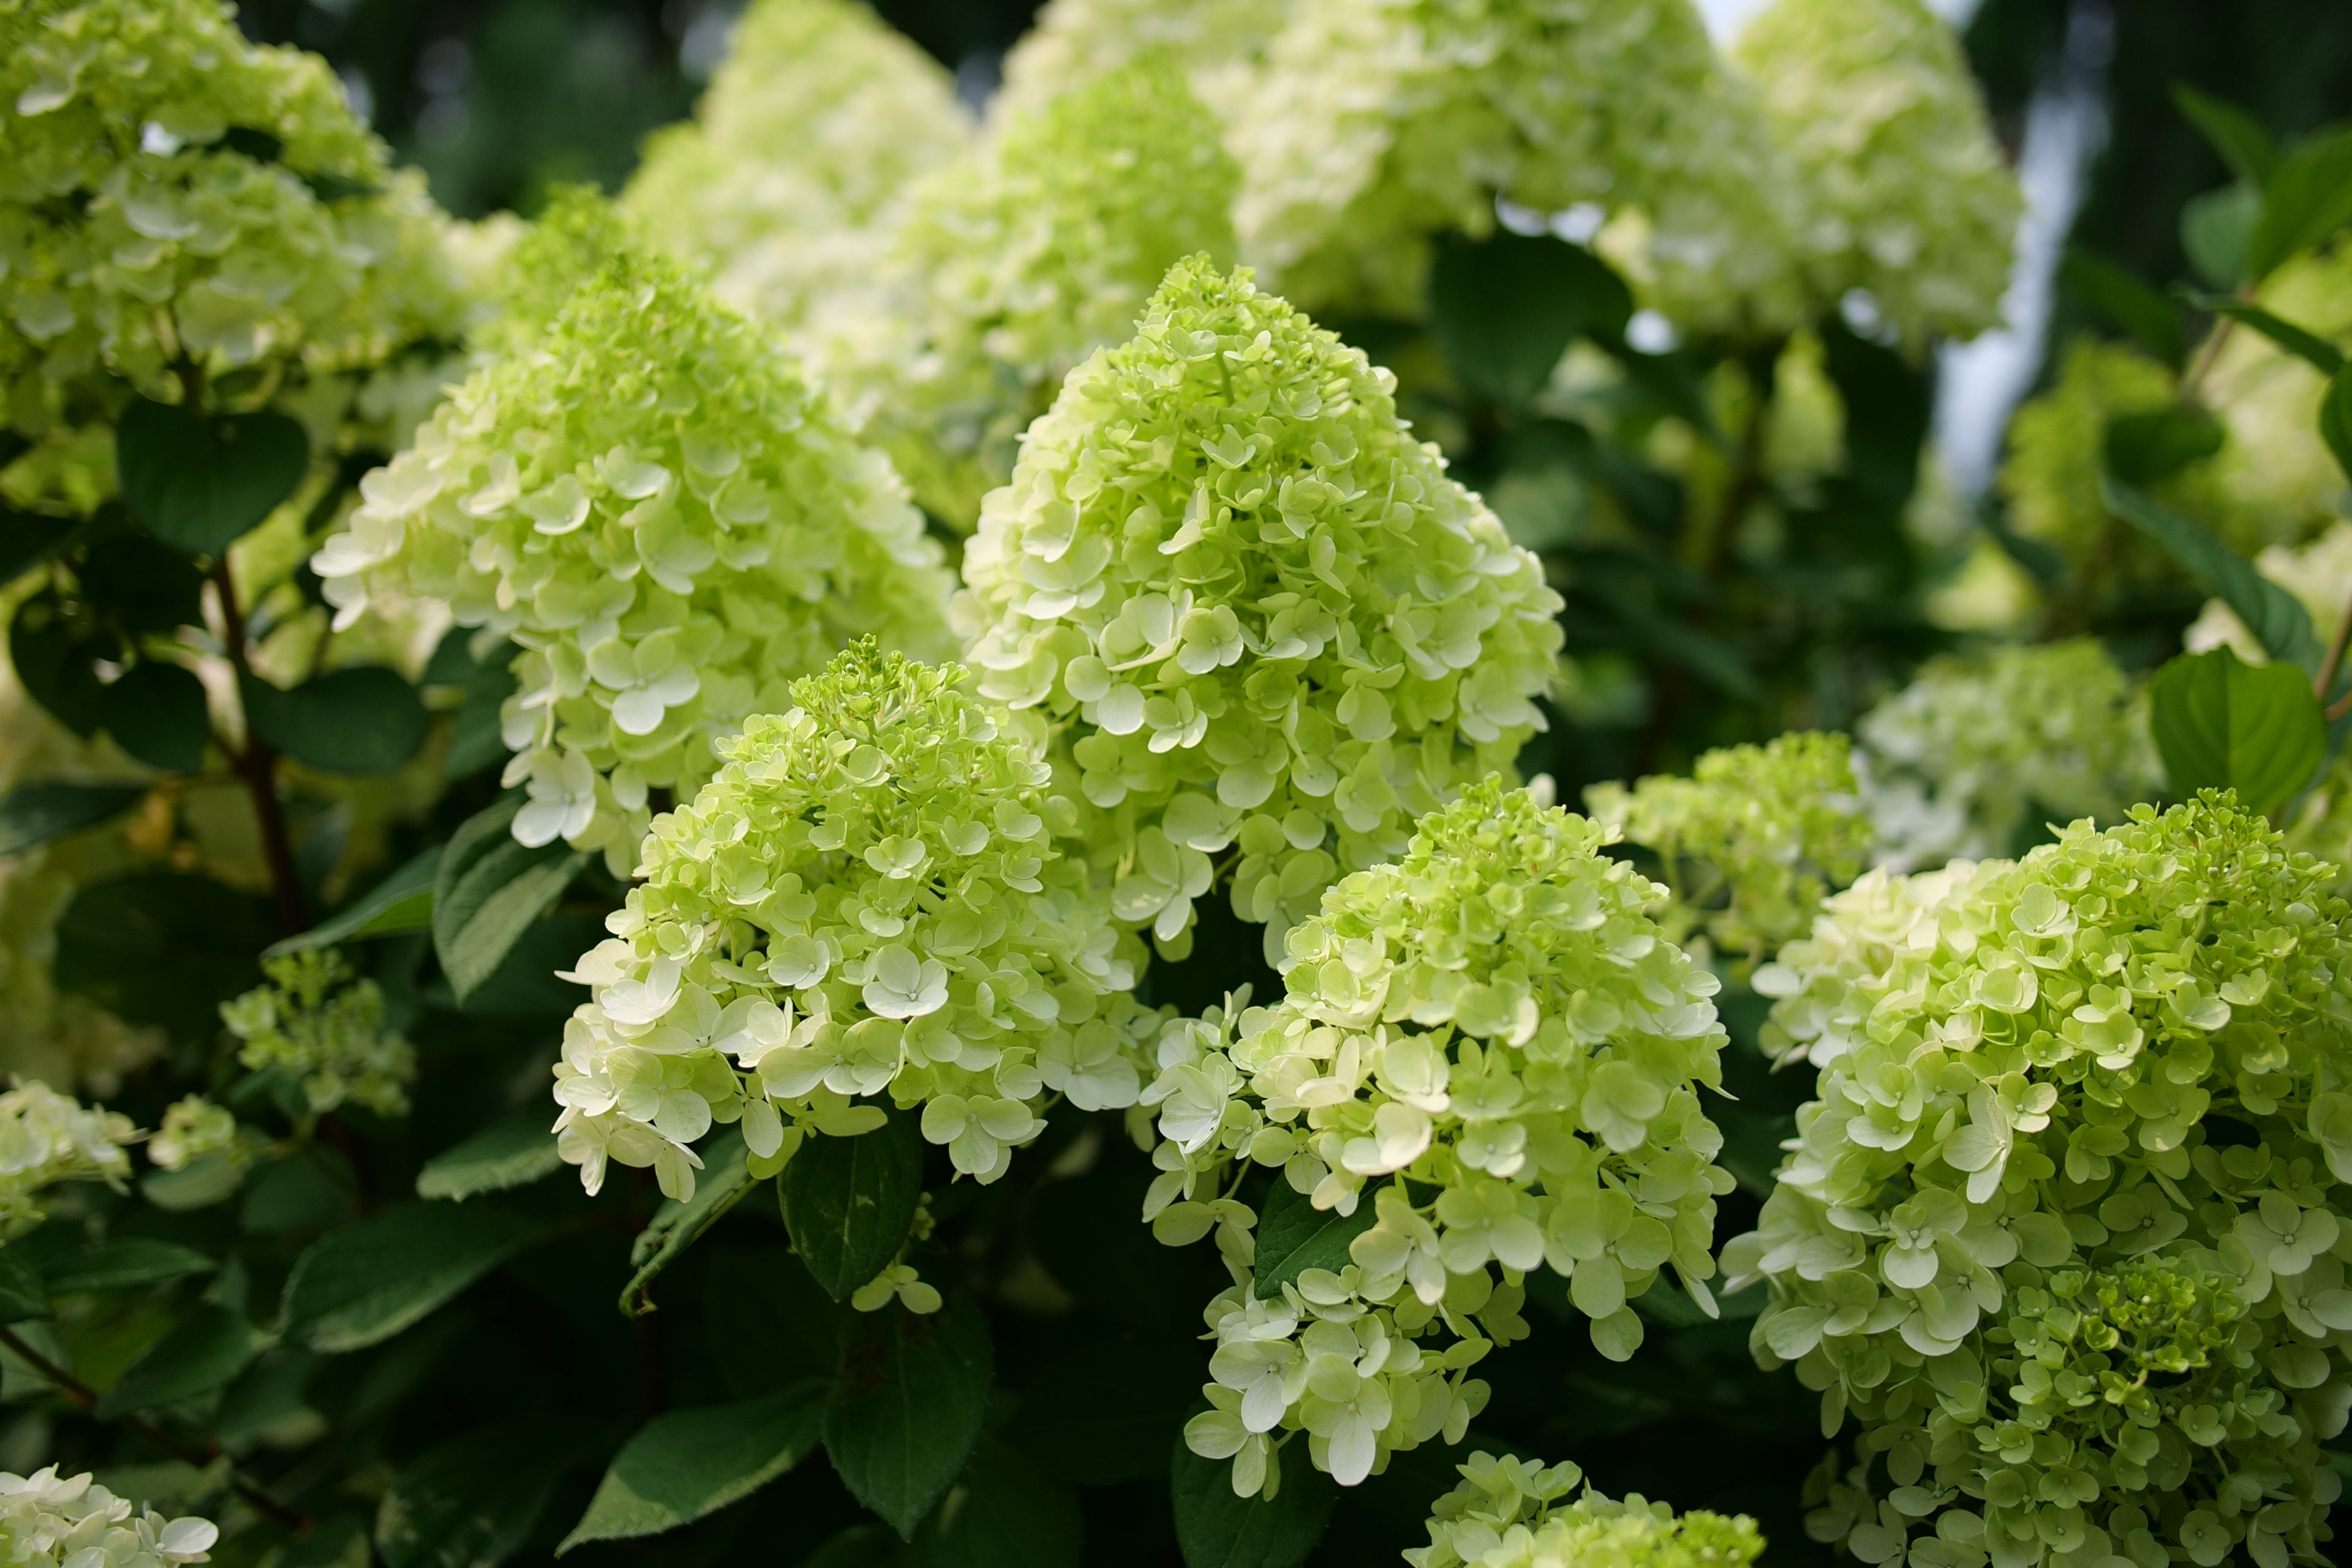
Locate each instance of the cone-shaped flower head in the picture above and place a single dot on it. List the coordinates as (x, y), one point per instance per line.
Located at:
(816, 128)
(1907, 196)
(1373, 126)
(1508, 1513)
(1491, 1046)
(44, 1520)
(45, 1138)
(321, 1024)
(865, 900)
(1076, 42)
(1014, 269)
(169, 189)
(1262, 610)
(2064, 1228)
(669, 522)
(575, 236)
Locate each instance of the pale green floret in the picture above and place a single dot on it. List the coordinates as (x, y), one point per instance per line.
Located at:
(666, 519)
(1259, 611)
(1507, 1513)
(193, 1128)
(47, 1138)
(1753, 842)
(1015, 266)
(321, 1024)
(1908, 195)
(76, 1523)
(1373, 127)
(1490, 1040)
(1978, 749)
(2064, 1229)
(866, 899)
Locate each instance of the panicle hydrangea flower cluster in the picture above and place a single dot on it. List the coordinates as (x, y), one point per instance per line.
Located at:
(2062, 1229)
(317, 1022)
(800, 159)
(1907, 196)
(1076, 42)
(169, 190)
(74, 1522)
(669, 523)
(1753, 842)
(1014, 268)
(1492, 1042)
(1508, 1513)
(193, 1128)
(1371, 127)
(2274, 480)
(574, 237)
(1978, 749)
(47, 1138)
(1260, 611)
(865, 900)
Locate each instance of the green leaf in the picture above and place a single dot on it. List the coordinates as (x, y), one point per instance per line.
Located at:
(365, 1282)
(2128, 300)
(2336, 417)
(362, 720)
(859, 1546)
(54, 647)
(1003, 1512)
(22, 1295)
(907, 1407)
(529, 984)
(2154, 444)
(2220, 723)
(471, 1502)
(488, 892)
(511, 1152)
(29, 538)
(2323, 356)
(2308, 197)
(156, 712)
(2275, 617)
(848, 1202)
(718, 1187)
(1106, 1412)
(1294, 1236)
(201, 1182)
(2235, 134)
(477, 739)
(2216, 229)
(163, 948)
(402, 902)
(32, 815)
(121, 1264)
(1504, 309)
(204, 1350)
(687, 1463)
(146, 585)
(200, 482)
(1214, 1529)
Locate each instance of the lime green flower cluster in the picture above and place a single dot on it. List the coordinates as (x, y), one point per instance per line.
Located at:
(1076, 42)
(1907, 197)
(666, 519)
(170, 193)
(1016, 267)
(1260, 610)
(1373, 127)
(193, 1128)
(47, 1138)
(799, 166)
(2062, 1228)
(315, 1021)
(1978, 749)
(1494, 1042)
(1753, 842)
(866, 897)
(1508, 1513)
(574, 237)
(44, 1520)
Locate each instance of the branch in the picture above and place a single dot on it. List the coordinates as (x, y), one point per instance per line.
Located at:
(258, 764)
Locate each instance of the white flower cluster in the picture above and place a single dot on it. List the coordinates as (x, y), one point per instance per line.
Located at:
(1492, 1042)
(74, 1522)
(865, 900)
(1074, 42)
(1262, 614)
(321, 1024)
(47, 1138)
(669, 521)
(1508, 1513)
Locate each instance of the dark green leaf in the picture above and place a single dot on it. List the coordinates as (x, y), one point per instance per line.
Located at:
(2220, 723)
(122, 1263)
(718, 1187)
(1504, 309)
(1886, 400)
(2323, 356)
(1002, 1513)
(32, 814)
(2336, 417)
(907, 1406)
(161, 947)
(2235, 134)
(144, 584)
(452, 660)
(22, 1295)
(402, 902)
(204, 1350)
(2216, 229)
(203, 1180)
(156, 712)
(54, 646)
(260, 146)
(1294, 1236)
(340, 1541)
(29, 538)
(471, 1502)
(848, 1202)
(2137, 306)
(511, 1152)
(488, 892)
(364, 720)
(859, 1546)
(528, 981)
(200, 482)
(2275, 617)
(2154, 444)
(476, 739)
(686, 1463)
(1106, 1412)
(1214, 1529)
(366, 1282)
(2308, 197)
